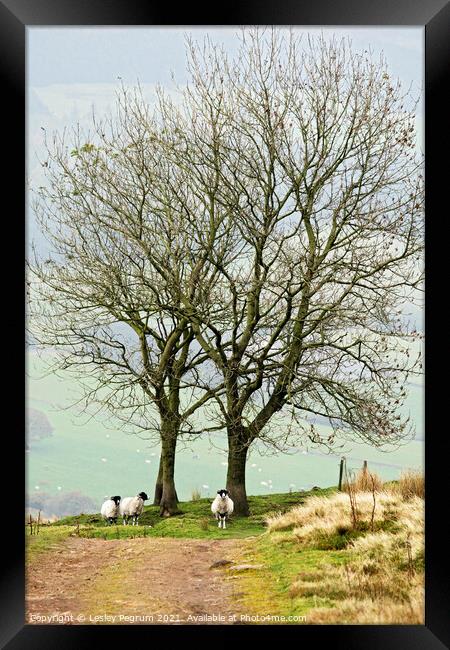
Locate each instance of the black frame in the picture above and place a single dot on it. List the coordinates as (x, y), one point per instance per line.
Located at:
(434, 15)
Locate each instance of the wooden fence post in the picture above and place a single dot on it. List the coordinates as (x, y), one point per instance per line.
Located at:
(341, 471)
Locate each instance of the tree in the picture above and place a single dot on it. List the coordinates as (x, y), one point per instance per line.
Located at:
(97, 302)
(259, 238)
(305, 153)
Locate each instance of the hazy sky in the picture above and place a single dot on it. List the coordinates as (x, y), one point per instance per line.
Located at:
(71, 70)
(62, 55)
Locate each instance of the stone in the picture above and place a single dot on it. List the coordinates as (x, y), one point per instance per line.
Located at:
(220, 563)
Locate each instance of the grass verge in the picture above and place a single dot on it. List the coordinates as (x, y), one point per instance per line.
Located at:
(319, 563)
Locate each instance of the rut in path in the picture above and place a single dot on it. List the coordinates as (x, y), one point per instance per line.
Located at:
(158, 577)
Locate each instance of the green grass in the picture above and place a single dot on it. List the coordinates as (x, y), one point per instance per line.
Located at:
(267, 591)
(48, 539)
(194, 521)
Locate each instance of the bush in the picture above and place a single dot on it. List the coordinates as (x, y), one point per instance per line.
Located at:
(196, 495)
(411, 483)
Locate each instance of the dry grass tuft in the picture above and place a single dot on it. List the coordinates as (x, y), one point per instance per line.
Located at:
(196, 495)
(365, 611)
(332, 515)
(411, 483)
(364, 481)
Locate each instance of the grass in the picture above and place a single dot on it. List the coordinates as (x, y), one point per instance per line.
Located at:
(364, 481)
(194, 521)
(48, 539)
(267, 591)
(196, 495)
(318, 559)
(411, 483)
(320, 562)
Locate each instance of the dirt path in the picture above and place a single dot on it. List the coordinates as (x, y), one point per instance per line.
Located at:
(151, 580)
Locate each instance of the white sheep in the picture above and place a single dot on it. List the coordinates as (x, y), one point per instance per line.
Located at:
(222, 507)
(132, 507)
(110, 509)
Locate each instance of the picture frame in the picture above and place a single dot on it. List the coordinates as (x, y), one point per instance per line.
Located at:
(434, 15)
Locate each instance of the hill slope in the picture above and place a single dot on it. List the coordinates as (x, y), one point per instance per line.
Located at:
(299, 558)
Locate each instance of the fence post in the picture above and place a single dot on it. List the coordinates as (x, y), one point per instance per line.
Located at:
(341, 471)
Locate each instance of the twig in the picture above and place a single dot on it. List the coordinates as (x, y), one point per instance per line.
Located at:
(374, 501)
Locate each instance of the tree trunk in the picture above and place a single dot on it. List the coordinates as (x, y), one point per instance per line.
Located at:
(169, 501)
(237, 458)
(159, 483)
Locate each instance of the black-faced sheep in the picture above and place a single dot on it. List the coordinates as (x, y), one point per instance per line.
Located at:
(222, 507)
(110, 509)
(132, 507)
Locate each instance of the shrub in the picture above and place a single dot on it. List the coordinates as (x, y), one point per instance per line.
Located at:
(195, 495)
(411, 483)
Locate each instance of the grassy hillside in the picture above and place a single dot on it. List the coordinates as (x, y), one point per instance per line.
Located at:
(332, 557)
(333, 564)
(194, 521)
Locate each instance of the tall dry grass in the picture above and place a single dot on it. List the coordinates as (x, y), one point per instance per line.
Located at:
(364, 481)
(196, 495)
(411, 483)
(332, 514)
(382, 580)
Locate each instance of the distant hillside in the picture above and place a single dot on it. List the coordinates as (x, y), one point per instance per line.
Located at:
(61, 505)
(38, 425)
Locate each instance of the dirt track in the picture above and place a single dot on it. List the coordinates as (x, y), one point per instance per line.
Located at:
(167, 580)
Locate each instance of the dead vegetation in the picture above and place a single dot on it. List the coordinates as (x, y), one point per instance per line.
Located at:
(380, 531)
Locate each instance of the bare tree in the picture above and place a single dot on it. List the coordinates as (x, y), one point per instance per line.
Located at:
(98, 302)
(305, 153)
(259, 238)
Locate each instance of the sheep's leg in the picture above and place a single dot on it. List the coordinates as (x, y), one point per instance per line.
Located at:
(224, 525)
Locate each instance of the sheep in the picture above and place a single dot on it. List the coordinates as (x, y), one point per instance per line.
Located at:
(110, 509)
(222, 507)
(132, 507)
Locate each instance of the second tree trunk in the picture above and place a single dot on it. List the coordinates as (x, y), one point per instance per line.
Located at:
(237, 459)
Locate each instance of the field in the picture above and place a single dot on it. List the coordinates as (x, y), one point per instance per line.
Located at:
(87, 457)
(299, 558)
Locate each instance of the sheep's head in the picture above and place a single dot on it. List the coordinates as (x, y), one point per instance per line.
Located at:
(116, 500)
(222, 493)
(143, 496)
